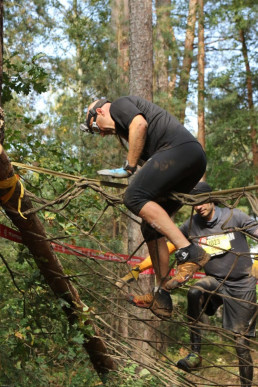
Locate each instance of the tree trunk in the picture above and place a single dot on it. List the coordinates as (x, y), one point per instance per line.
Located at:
(250, 100)
(174, 65)
(165, 47)
(201, 69)
(1, 72)
(141, 49)
(141, 76)
(79, 74)
(120, 17)
(161, 55)
(34, 237)
(188, 58)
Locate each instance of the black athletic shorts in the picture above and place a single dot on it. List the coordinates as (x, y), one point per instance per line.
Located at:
(176, 169)
(239, 306)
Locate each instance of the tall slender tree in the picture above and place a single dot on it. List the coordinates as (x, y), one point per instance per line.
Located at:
(141, 49)
(120, 23)
(187, 59)
(1, 71)
(249, 87)
(201, 69)
(161, 53)
(141, 84)
(165, 54)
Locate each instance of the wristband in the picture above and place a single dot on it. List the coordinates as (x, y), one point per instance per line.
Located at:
(128, 167)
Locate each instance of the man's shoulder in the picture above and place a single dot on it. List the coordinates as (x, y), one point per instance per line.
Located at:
(126, 99)
(122, 105)
(117, 101)
(235, 213)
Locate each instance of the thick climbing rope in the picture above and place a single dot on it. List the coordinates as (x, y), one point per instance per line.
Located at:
(223, 196)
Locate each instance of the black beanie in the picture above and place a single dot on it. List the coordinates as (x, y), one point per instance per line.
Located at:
(200, 188)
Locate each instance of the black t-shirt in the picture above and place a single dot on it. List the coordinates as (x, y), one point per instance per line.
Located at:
(164, 130)
(219, 232)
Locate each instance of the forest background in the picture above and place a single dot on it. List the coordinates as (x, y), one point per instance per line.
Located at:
(59, 56)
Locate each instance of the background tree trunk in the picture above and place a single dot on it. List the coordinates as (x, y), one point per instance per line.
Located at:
(161, 56)
(141, 77)
(141, 49)
(165, 57)
(250, 101)
(120, 17)
(79, 73)
(201, 69)
(1, 72)
(188, 58)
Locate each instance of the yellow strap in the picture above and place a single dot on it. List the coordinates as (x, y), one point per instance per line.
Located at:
(11, 182)
(8, 183)
(19, 201)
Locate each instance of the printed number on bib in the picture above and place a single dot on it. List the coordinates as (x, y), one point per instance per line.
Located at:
(215, 244)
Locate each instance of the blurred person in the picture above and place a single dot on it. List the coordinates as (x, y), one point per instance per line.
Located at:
(230, 281)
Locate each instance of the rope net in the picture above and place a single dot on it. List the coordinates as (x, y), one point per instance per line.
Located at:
(88, 215)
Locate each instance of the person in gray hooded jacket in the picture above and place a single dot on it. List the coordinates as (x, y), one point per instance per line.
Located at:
(229, 276)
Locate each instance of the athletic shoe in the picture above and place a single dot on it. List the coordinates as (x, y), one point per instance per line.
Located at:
(159, 302)
(190, 363)
(131, 276)
(144, 301)
(189, 260)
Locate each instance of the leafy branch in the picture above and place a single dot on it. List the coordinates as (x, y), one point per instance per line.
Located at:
(22, 77)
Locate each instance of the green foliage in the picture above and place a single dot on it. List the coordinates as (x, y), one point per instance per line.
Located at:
(228, 134)
(38, 346)
(134, 376)
(22, 77)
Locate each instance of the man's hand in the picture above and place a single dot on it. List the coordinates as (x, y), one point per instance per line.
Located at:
(254, 271)
(119, 173)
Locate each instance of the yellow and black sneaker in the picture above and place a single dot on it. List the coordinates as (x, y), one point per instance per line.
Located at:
(190, 363)
(133, 275)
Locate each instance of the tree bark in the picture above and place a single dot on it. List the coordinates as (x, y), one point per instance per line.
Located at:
(141, 78)
(141, 49)
(201, 69)
(250, 100)
(120, 17)
(161, 55)
(79, 74)
(165, 47)
(1, 72)
(174, 65)
(34, 237)
(188, 58)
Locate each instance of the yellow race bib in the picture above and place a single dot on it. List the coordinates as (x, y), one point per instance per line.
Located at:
(215, 244)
